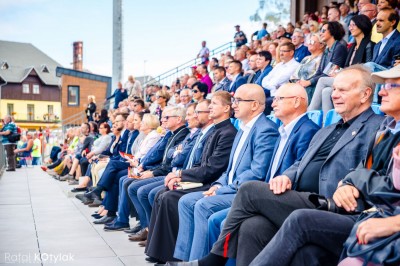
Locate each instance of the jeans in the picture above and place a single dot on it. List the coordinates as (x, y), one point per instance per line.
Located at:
(138, 193)
(194, 211)
(36, 160)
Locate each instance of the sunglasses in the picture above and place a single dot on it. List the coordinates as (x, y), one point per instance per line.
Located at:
(195, 91)
(323, 30)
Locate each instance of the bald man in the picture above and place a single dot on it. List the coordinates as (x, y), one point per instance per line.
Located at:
(296, 132)
(250, 158)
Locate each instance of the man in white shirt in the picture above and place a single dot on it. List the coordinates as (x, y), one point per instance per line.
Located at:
(280, 74)
(204, 53)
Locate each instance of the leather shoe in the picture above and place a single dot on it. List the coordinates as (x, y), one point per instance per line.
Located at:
(78, 189)
(10, 170)
(182, 263)
(134, 230)
(139, 236)
(106, 219)
(117, 226)
(95, 203)
(142, 243)
(154, 260)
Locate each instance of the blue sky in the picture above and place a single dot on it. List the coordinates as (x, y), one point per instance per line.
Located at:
(164, 33)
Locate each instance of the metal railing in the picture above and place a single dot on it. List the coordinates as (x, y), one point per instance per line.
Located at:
(171, 75)
(72, 121)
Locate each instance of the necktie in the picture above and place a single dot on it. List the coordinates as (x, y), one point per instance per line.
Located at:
(129, 141)
(191, 158)
(369, 159)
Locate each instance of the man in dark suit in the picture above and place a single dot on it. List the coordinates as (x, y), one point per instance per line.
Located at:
(260, 209)
(164, 218)
(389, 46)
(222, 83)
(235, 71)
(114, 170)
(252, 149)
(190, 155)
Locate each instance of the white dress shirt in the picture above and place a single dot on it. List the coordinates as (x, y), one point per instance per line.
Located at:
(279, 75)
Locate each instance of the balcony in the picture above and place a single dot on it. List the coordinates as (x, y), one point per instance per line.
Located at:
(31, 118)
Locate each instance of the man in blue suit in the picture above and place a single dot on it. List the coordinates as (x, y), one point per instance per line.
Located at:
(235, 70)
(295, 134)
(252, 149)
(389, 46)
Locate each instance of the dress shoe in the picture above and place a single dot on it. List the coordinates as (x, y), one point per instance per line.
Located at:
(97, 216)
(73, 182)
(10, 170)
(134, 230)
(142, 243)
(95, 203)
(78, 189)
(94, 194)
(104, 220)
(139, 236)
(82, 198)
(154, 260)
(182, 263)
(117, 226)
(66, 177)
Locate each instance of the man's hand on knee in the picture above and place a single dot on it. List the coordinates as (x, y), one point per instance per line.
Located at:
(280, 184)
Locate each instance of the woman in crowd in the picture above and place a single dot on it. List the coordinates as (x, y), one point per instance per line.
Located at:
(334, 54)
(162, 98)
(25, 150)
(314, 26)
(361, 51)
(310, 64)
(99, 145)
(91, 108)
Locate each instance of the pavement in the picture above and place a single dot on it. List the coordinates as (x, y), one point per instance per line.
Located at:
(41, 223)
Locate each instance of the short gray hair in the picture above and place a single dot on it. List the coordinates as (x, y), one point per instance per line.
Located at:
(176, 110)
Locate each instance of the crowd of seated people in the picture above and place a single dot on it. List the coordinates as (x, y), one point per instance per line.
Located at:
(206, 190)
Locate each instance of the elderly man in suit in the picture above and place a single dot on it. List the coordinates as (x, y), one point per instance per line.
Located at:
(251, 151)
(260, 209)
(164, 221)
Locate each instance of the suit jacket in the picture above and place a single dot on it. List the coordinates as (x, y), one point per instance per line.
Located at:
(129, 142)
(301, 52)
(199, 150)
(263, 75)
(223, 85)
(177, 137)
(254, 157)
(187, 144)
(363, 54)
(295, 147)
(346, 154)
(120, 146)
(392, 48)
(240, 80)
(215, 156)
(155, 155)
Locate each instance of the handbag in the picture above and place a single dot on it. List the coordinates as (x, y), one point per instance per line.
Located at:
(382, 250)
(14, 137)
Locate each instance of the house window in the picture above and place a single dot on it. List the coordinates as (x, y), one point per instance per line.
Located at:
(25, 88)
(31, 112)
(10, 108)
(50, 109)
(36, 89)
(73, 95)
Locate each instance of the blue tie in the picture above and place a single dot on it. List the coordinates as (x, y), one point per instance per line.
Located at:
(191, 158)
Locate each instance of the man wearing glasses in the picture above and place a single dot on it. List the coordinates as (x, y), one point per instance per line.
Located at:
(186, 98)
(251, 153)
(259, 209)
(280, 74)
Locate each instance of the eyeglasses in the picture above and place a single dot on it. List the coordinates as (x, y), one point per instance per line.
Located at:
(279, 99)
(238, 100)
(195, 91)
(158, 97)
(390, 86)
(323, 30)
(184, 96)
(168, 117)
(295, 36)
(197, 112)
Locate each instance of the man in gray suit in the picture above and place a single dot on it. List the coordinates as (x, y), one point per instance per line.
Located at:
(259, 209)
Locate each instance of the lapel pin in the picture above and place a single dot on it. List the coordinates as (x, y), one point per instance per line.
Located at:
(353, 133)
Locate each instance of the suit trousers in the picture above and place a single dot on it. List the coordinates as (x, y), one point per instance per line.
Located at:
(194, 211)
(255, 205)
(112, 174)
(142, 205)
(123, 201)
(112, 193)
(307, 237)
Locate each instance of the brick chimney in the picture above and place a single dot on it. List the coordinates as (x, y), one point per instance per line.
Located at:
(78, 56)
